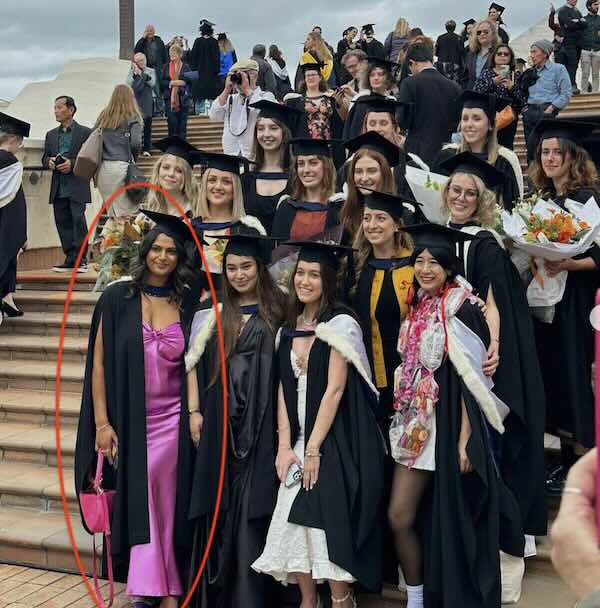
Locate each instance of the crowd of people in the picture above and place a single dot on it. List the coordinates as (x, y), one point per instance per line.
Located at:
(387, 383)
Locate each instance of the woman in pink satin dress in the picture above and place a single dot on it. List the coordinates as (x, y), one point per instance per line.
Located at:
(132, 411)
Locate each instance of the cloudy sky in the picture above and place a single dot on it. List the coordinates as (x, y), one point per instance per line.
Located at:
(38, 37)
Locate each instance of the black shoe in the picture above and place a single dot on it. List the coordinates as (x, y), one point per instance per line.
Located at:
(65, 267)
(11, 311)
(555, 482)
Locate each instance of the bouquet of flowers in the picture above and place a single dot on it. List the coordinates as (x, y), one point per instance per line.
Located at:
(546, 231)
(117, 248)
(427, 189)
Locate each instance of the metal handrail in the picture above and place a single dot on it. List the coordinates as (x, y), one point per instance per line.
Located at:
(36, 168)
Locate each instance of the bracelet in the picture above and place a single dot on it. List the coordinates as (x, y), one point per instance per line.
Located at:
(196, 411)
(495, 340)
(101, 428)
(312, 454)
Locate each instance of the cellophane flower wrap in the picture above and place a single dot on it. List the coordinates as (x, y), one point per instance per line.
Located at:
(427, 188)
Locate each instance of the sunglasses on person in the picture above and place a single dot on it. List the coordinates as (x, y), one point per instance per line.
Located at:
(480, 32)
(502, 54)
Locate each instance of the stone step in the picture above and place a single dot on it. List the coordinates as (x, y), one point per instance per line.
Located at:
(40, 539)
(47, 280)
(30, 300)
(41, 375)
(38, 407)
(48, 324)
(35, 444)
(42, 348)
(35, 487)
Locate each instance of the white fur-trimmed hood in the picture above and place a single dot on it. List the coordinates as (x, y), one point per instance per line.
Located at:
(203, 326)
(253, 222)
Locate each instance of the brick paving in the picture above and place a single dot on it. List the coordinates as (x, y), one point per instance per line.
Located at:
(22, 587)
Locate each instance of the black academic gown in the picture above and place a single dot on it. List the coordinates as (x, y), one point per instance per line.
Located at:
(13, 231)
(353, 125)
(206, 60)
(374, 48)
(462, 523)
(287, 210)
(345, 502)
(121, 317)
(517, 381)
(566, 349)
(262, 207)
(250, 483)
(507, 192)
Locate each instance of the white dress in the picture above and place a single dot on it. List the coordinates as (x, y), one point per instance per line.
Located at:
(291, 548)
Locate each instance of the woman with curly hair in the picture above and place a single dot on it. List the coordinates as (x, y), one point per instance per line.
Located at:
(131, 412)
(563, 170)
(470, 202)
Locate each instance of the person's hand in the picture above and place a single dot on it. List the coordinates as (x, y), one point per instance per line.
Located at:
(499, 79)
(107, 442)
(51, 163)
(347, 90)
(64, 167)
(310, 475)
(574, 535)
(464, 464)
(549, 109)
(196, 422)
(554, 268)
(245, 86)
(285, 458)
(490, 365)
(228, 85)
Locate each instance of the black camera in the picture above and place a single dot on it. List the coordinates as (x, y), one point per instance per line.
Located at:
(236, 78)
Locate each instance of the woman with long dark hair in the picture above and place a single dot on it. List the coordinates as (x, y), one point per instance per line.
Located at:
(131, 411)
(312, 208)
(251, 313)
(282, 78)
(269, 180)
(330, 453)
(563, 170)
(439, 437)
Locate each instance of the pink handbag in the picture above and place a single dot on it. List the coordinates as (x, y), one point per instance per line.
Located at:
(96, 507)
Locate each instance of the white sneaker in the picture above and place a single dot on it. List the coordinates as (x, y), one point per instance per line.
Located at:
(82, 268)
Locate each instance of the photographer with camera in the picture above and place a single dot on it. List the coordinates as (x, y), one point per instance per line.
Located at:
(232, 106)
(142, 80)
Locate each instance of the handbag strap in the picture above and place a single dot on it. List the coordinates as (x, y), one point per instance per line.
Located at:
(111, 581)
(99, 467)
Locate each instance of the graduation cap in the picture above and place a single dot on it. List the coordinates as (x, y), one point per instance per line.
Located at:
(562, 128)
(490, 104)
(270, 109)
(435, 236)
(381, 103)
(316, 67)
(384, 64)
(223, 162)
(374, 141)
(498, 8)
(171, 225)
(329, 254)
(308, 147)
(391, 204)
(206, 22)
(469, 22)
(177, 147)
(13, 126)
(368, 28)
(466, 162)
(249, 243)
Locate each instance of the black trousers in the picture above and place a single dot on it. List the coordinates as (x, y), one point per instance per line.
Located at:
(177, 121)
(147, 133)
(531, 116)
(8, 281)
(571, 54)
(69, 217)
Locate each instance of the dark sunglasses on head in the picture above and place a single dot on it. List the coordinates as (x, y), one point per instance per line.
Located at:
(479, 32)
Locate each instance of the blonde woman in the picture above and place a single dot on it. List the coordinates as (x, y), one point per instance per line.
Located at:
(316, 51)
(122, 127)
(173, 172)
(482, 41)
(396, 40)
(227, 56)
(478, 133)
(511, 357)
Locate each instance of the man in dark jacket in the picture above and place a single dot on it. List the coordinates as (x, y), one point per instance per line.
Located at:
(266, 79)
(154, 48)
(431, 112)
(69, 194)
(449, 52)
(572, 25)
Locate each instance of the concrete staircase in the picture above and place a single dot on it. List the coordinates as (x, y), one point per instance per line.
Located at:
(32, 526)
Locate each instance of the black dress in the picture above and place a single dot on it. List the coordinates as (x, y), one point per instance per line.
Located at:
(507, 192)
(518, 379)
(250, 482)
(262, 207)
(566, 349)
(461, 525)
(121, 317)
(13, 229)
(303, 220)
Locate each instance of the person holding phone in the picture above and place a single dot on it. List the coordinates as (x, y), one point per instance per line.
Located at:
(498, 78)
(132, 412)
(252, 312)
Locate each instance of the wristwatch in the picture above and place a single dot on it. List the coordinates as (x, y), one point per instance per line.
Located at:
(591, 601)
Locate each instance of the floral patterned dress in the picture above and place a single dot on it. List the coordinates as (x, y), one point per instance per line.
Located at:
(319, 114)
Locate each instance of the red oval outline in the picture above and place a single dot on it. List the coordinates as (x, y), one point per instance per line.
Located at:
(223, 372)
